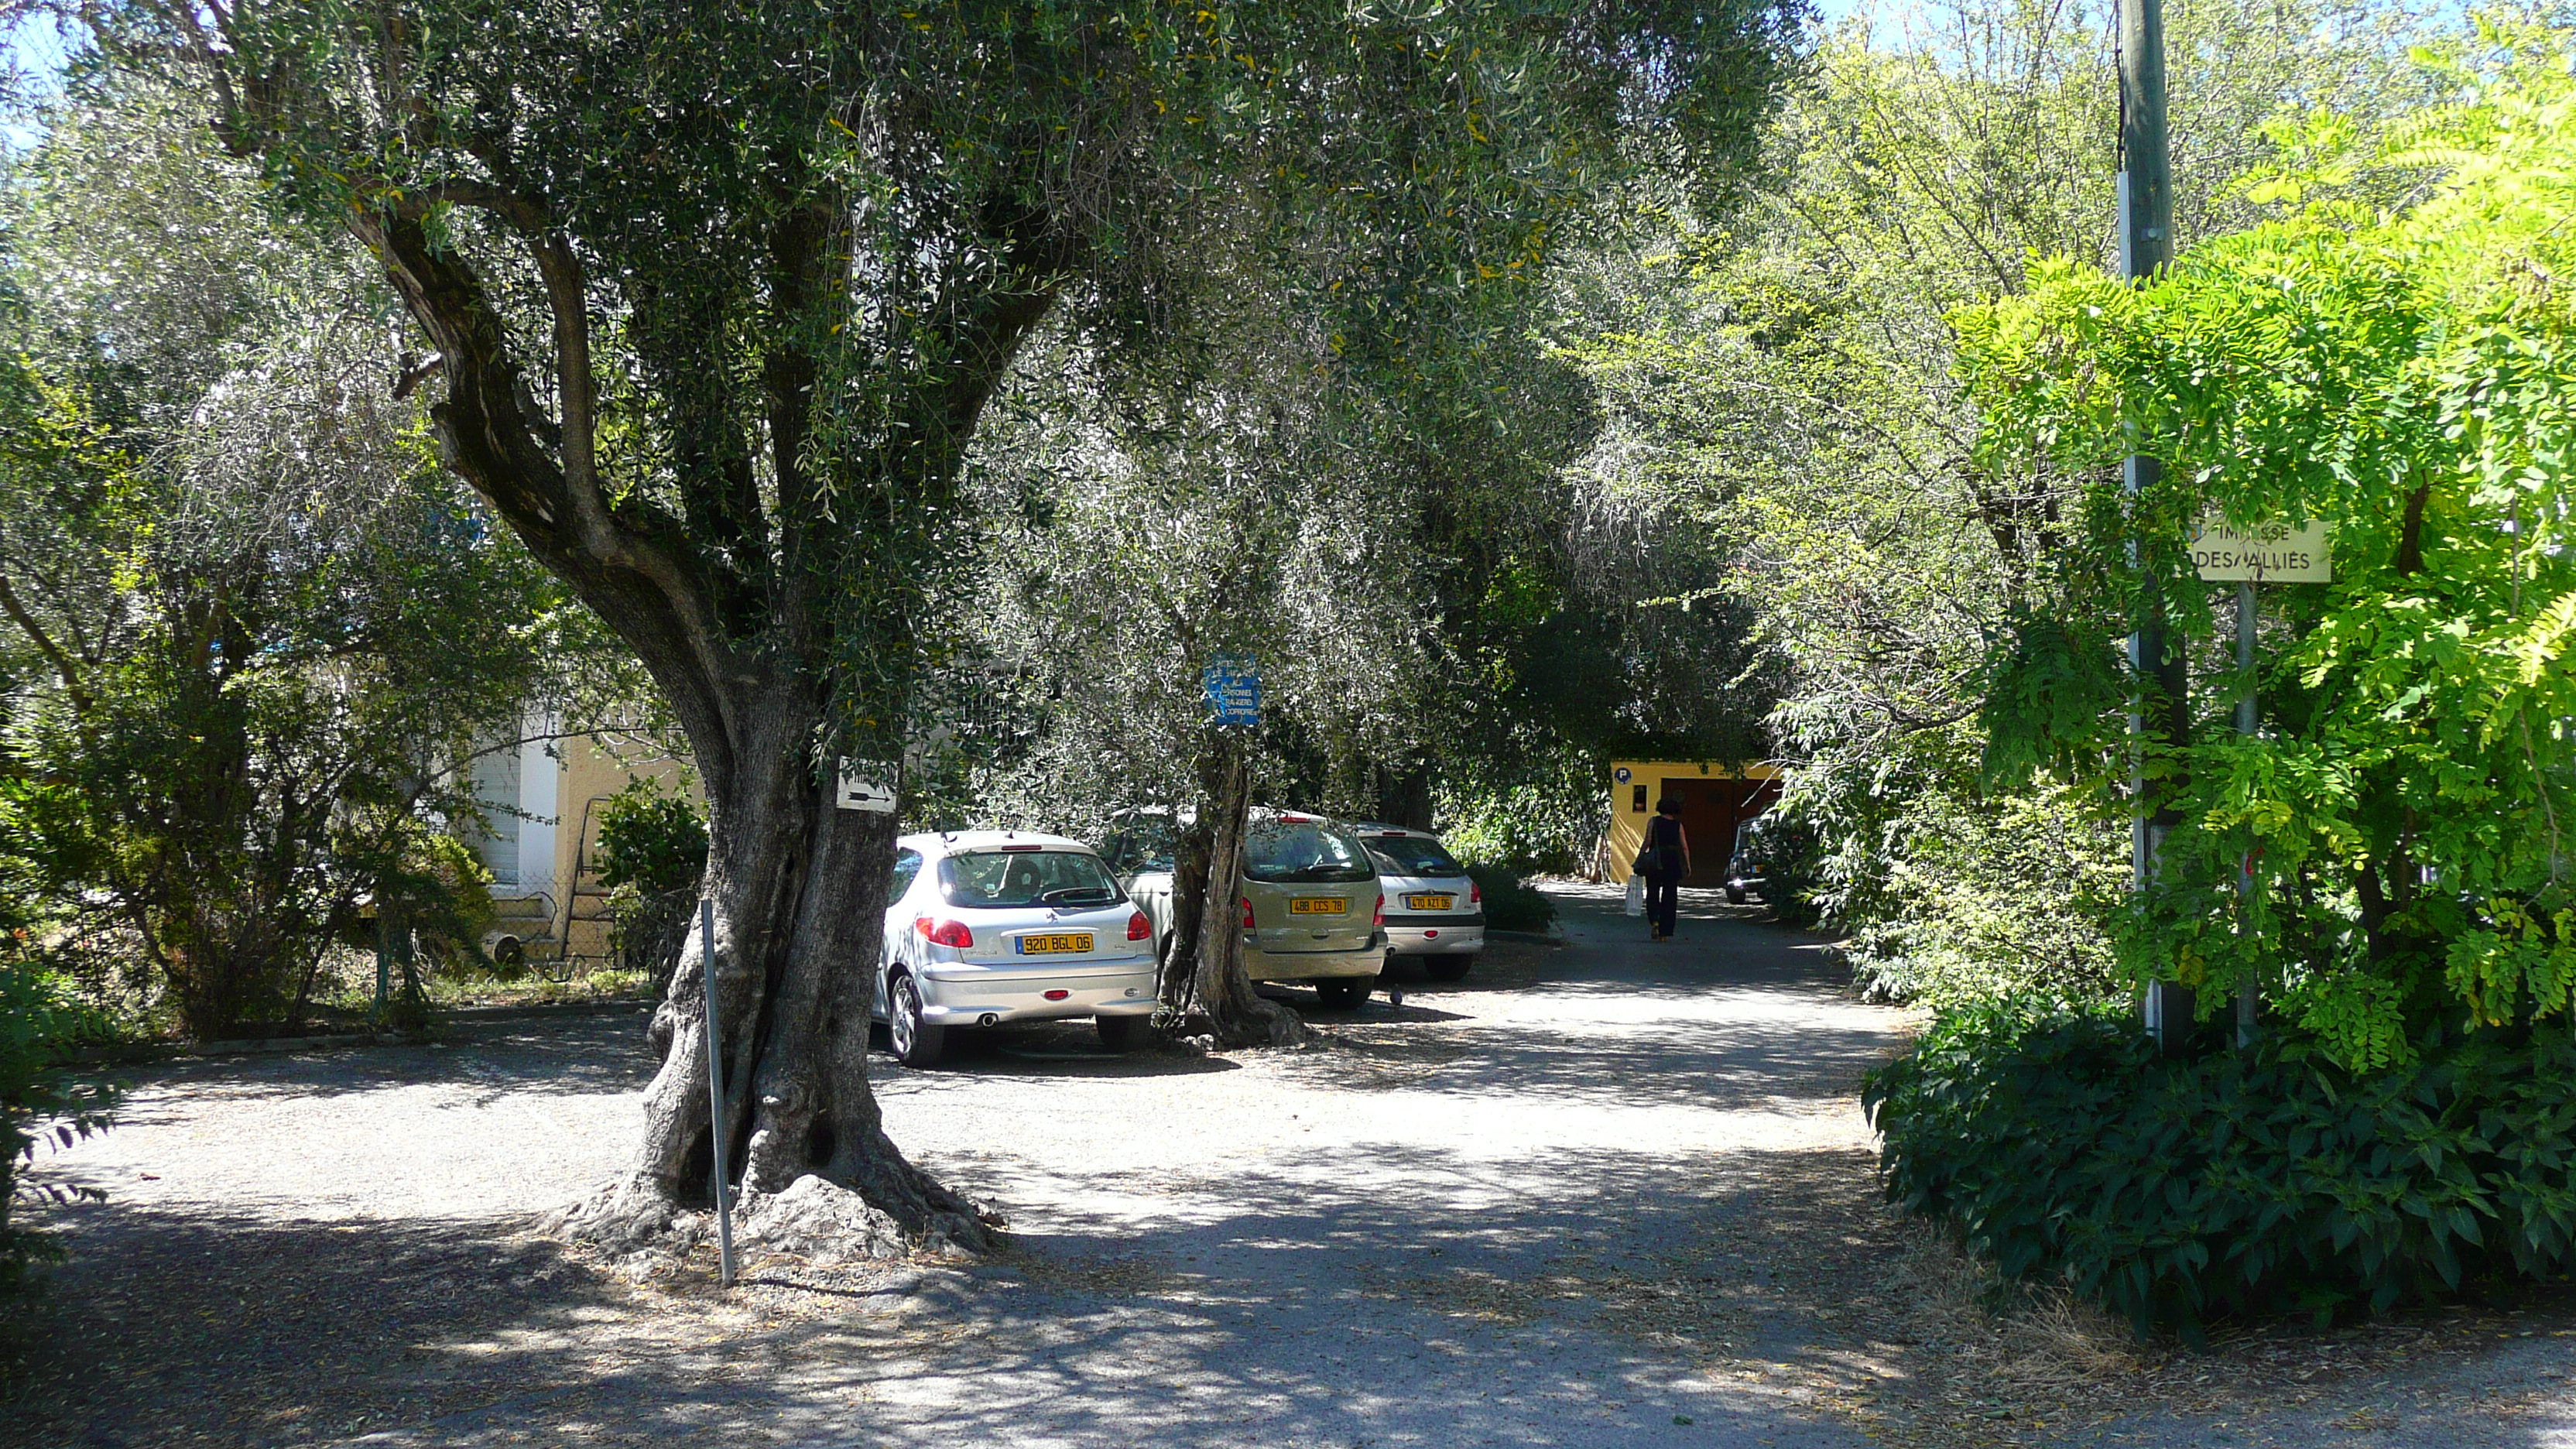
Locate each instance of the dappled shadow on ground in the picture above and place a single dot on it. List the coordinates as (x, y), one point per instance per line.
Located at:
(1043, 1049)
(1332, 1311)
(195, 1326)
(609, 1055)
(1724, 1065)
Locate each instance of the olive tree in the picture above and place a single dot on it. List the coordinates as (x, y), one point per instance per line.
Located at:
(1147, 526)
(719, 295)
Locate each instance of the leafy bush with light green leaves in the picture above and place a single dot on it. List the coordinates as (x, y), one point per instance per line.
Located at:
(2406, 805)
(652, 854)
(2001, 897)
(42, 1105)
(650, 840)
(2065, 1150)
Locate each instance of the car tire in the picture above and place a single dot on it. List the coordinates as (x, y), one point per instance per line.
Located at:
(916, 1043)
(1345, 993)
(1735, 895)
(1449, 968)
(1125, 1033)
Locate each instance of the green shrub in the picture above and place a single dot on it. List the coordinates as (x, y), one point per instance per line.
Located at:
(1510, 905)
(40, 1103)
(652, 841)
(1981, 899)
(2063, 1149)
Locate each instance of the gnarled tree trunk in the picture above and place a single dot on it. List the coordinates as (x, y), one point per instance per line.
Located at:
(1205, 986)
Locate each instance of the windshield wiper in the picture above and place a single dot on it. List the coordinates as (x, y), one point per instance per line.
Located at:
(1068, 894)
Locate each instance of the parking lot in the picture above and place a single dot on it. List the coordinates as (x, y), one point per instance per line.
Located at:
(1601, 1193)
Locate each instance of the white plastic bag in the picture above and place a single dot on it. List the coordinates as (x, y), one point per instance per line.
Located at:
(1636, 895)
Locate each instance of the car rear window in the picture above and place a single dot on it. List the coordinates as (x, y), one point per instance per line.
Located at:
(1413, 855)
(985, 879)
(1144, 846)
(1303, 852)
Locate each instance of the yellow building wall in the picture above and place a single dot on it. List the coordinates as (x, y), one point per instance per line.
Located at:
(593, 768)
(1636, 786)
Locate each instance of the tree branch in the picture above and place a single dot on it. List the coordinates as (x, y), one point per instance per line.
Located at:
(45, 645)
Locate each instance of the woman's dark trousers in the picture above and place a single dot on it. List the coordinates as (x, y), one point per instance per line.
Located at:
(1663, 899)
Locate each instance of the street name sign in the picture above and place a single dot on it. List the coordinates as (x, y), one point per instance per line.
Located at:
(2273, 554)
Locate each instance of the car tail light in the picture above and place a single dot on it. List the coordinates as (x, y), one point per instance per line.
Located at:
(1475, 894)
(945, 933)
(1057, 995)
(1138, 928)
(1380, 918)
(1247, 913)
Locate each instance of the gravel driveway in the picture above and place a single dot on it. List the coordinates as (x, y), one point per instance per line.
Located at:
(1605, 1193)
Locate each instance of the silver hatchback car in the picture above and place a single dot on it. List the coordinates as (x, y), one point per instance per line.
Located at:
(984, 927)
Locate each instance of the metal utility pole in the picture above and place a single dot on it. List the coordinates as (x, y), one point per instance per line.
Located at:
(2248, 998)
(2146, 245)
(715, 1094)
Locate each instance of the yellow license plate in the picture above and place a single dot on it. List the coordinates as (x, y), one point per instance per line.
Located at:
(1054, 945)
(1318, 906)
(1428, 903)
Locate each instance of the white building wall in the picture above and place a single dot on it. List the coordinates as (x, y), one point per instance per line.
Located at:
(540, 776)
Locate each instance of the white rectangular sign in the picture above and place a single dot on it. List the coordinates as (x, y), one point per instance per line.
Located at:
(858, 793)
(2274, 554)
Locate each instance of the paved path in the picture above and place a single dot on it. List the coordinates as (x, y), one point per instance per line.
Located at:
(1609, 1194)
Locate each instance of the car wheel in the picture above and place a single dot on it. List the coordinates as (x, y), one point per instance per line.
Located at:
(1449, 968)
(1345, 993)
(916, 1043)
(1735, 895)
(1125, 1033)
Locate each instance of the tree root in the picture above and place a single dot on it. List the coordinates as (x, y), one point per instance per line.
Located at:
(1260, 1022)
(899, 1213)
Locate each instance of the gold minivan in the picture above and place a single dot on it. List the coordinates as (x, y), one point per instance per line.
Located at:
(1311, 906)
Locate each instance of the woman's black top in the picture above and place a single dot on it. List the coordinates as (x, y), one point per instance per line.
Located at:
(1664, 833)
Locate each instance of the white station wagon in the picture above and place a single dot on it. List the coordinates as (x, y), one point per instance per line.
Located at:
(988, 926)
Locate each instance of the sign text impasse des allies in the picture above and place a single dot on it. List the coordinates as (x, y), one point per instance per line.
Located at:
(2271, 554)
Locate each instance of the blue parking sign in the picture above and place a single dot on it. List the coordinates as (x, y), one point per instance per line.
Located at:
(1233, 686)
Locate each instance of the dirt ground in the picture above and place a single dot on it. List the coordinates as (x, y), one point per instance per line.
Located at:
(1598, 1193)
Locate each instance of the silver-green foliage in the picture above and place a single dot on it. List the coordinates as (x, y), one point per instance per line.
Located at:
(1140, 532)
(246, 616)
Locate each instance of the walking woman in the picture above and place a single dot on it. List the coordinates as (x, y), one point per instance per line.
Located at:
(1664, 861)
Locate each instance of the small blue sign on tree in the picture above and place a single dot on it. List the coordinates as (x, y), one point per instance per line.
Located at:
(1233, 684)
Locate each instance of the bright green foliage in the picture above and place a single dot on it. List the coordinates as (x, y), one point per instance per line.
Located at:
(2407, 378)
(2067, 1150)
(2003, 896)
(652, 841)
(42, 1105)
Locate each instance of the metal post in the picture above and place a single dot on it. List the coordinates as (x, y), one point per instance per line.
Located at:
(2248, 997)
(715, 1095)
(2146, 244)
(384, 958)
